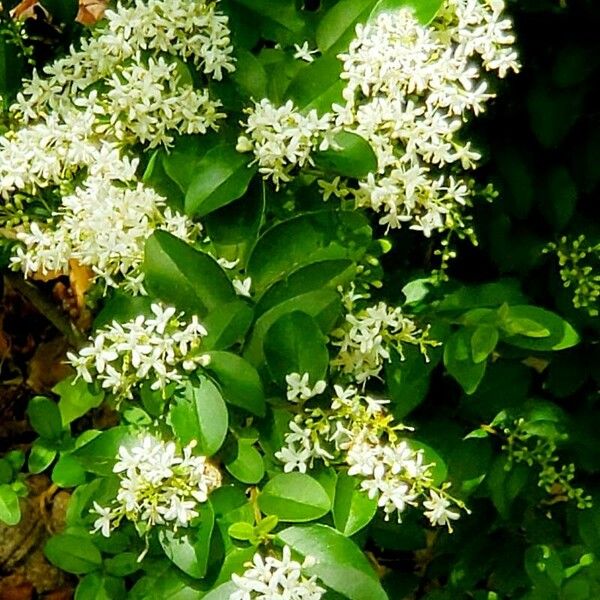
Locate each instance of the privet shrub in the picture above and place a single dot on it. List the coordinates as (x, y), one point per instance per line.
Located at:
(324, 343)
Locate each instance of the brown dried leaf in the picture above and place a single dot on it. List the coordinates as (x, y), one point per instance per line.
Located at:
(91, 11)
(25, 10)
(47, 366)
(81, 277)
(44, 277)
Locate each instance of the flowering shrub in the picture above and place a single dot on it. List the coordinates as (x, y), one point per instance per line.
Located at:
(287, 390)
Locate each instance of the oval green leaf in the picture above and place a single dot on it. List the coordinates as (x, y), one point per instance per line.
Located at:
(352, 508)
(198, 412)
(340, 564)
(294, 497)
(223, 175)
(295, 344)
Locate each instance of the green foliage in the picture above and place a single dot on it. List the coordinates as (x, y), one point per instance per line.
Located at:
(504, 409)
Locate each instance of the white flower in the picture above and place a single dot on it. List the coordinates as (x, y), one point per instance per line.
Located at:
(193, 31)
(437, 510)
(103, 523)
(368, 336)
(242, 286)
(271, 578)
(298, 387)
(303, 52)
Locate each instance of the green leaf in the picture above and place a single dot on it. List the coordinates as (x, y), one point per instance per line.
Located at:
(68, 472)
(242, 531)
(223, 592)
(223, 175)
(44, 417)
(95, 586)
(190, 280)
(295, 344)
(318, 85)
(458, 361)
(294, 497)
(483, 295)
(164, 582)
(76, 399)
(6, 471)
(233, 229)
(306, 239)
(12, 67)
(352, 508)
(121, 307)
(483, 342)
(247, 466)
(337, 27)
(73, 553)
(544, 568)
(199, 413)
(182, 161)
(250, 74)
(189, 548)
(100, 454)
(323, 305)
(328, 274)
(536, 328)
(10, 511)
(351, 156)
(122, 564)
(40, 456)
(279, 21)
(340, 564)
(239, 381)
(407, 380)
(425, 10)
(227, 326)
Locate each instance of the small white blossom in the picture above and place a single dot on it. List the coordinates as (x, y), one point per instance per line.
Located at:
(242, 286)
(298, 387)
(101, 225)
(438, 511)
(270, 578)
(304, 53)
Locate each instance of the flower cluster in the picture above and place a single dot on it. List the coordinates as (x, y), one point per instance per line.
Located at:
(101, 225)
(192, 31)
(356, 430)
(282, 138)
(271, 578)
(158, 486)
(579, 262)
(367, 336)
(55, 150)
(156, 348)
(409, 89)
